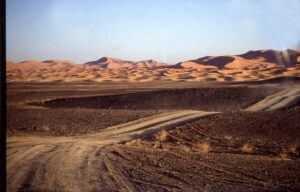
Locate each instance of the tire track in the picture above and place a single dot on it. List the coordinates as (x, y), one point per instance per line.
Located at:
(79, 163)
(280, 100)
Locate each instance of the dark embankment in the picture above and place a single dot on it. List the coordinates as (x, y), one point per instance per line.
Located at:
(208, 99)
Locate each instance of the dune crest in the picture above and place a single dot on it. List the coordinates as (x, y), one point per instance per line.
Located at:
(112, 63)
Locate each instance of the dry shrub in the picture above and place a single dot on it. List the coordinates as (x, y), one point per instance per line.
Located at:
(204, 148)
(293, 149)
(284, 156)
(127, 143)
(246, 148)
(165, 149)
(227, 137)
(63, 128)
(138, 142)
(163, 135)
(45, 128)
(186, 148)
(157, 145)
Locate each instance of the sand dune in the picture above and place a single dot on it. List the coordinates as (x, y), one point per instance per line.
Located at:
(249, 60)
(253, 65)
(112, 63)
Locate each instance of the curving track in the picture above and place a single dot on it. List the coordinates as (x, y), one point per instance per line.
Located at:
(77, 163)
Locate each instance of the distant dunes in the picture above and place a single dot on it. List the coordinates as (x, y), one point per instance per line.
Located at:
(253, 65)
(111, 63)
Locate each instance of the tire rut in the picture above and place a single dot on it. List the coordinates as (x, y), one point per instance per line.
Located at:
(79, 163)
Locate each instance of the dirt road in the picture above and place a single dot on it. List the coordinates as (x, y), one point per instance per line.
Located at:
(80, 163)
(77, 163)
(282, 99)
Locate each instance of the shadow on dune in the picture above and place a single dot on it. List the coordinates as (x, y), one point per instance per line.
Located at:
(288, 57)
(219, 62)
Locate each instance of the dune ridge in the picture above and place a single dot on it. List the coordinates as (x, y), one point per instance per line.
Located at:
(253, 65)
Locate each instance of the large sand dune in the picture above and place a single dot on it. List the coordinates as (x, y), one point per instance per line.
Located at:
(253, 65)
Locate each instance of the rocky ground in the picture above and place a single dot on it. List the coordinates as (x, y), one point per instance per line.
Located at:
(49, 149)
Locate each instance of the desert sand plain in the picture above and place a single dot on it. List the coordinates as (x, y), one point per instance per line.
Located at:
(227, 123)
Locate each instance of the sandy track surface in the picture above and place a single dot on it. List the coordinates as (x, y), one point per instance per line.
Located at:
(282, 99)
(78, 163)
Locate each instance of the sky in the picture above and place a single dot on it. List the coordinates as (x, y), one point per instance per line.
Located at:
(163, 30)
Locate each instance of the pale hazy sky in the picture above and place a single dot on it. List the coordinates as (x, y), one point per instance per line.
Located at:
(164, 30)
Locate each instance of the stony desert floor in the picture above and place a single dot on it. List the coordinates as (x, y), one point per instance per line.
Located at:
(151, 136)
